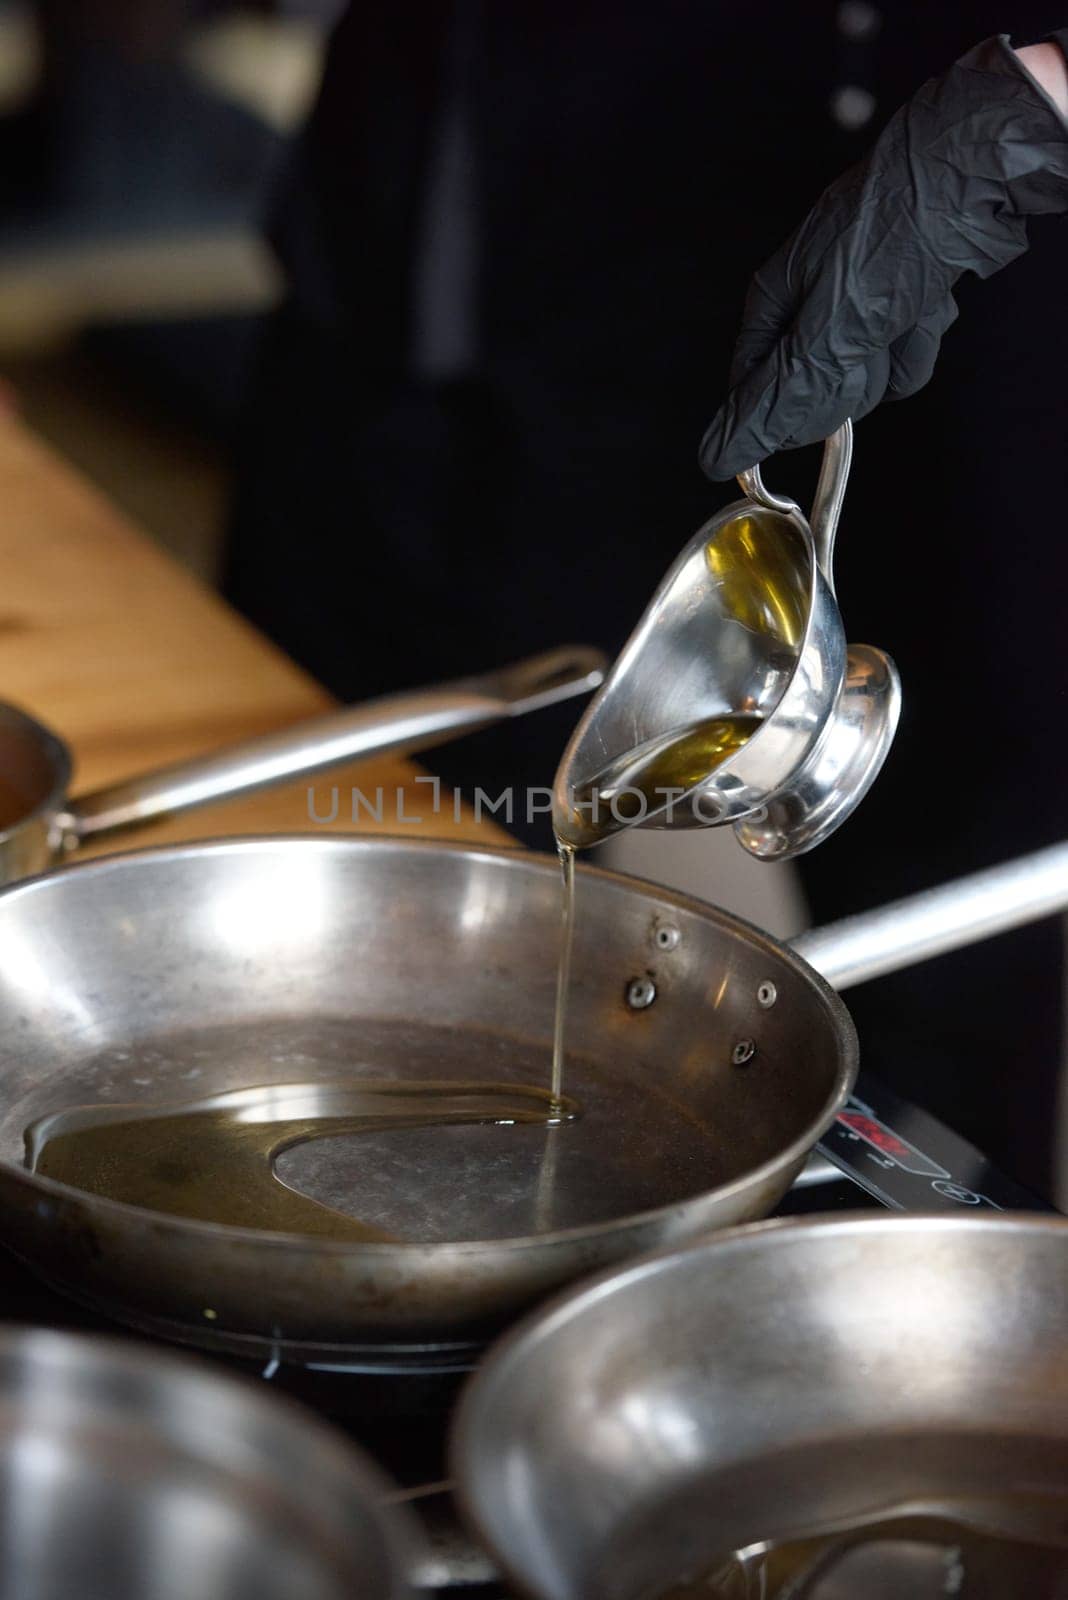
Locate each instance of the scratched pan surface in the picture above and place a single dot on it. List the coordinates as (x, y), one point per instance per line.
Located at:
(164, 976)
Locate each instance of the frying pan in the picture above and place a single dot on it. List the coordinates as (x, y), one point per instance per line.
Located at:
(127, 1474)
(773, 1382)
(707, 1059)
(38, 823)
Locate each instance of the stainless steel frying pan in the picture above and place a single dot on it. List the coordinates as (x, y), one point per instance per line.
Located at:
(128, 1474)
(172, 974)
(707, 1057)
(833, 1375)
(38, 822)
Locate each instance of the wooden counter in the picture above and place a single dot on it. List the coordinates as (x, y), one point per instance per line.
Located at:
(136, 664)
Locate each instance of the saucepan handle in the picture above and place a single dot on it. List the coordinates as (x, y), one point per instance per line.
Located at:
(963, 912)
(411, 721)
(827, 504)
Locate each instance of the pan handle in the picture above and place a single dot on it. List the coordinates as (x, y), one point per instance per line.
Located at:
(410, 721)
(963, 912)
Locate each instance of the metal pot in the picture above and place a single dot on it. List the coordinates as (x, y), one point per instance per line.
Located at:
(38, 823)
(777, 1382)
(126, 1474)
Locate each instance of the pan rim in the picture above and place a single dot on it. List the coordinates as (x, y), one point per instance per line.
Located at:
(844, 1079)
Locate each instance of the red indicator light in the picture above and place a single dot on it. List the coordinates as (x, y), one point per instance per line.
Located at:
(876, 1133)
(883, 1139)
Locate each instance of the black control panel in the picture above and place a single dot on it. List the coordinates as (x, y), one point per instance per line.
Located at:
(907, 1160)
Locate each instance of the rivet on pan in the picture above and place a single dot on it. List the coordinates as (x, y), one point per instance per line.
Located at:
(743, 1051)
(667, 936)
(641, 992)
(767, 994)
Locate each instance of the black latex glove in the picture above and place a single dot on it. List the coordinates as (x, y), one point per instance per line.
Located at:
(852, 308)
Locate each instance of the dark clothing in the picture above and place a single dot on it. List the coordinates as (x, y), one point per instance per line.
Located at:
(635, 162)
(852, 307)
(611, 276)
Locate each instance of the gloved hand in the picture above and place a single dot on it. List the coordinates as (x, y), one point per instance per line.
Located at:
(852, 308)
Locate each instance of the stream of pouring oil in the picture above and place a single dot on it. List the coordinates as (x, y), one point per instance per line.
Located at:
(636, 785)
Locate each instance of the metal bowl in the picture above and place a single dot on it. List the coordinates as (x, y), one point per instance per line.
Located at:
(128, 1475)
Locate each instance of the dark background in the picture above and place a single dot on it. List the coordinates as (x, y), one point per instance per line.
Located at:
(467, 426)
